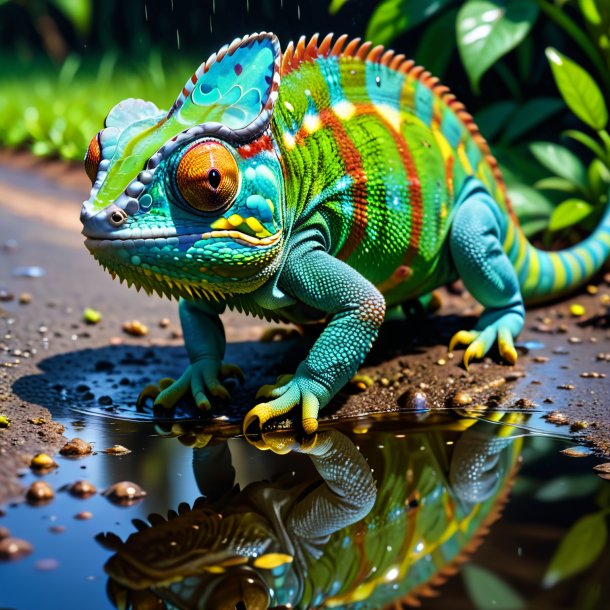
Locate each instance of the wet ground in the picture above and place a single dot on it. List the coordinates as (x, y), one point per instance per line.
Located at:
(62, 378)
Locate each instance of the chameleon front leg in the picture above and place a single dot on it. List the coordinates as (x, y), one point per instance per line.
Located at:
(205, 343)
(356, 308)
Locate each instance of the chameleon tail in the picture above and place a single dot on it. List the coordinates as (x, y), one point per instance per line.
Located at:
(548, 275)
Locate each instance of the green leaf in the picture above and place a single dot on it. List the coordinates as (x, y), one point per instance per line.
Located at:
(429, 53)
(567, 487)
(568, 213)
(561, 162)
(579, 549)
(77, 11)
(529, 204)
(531, 114)
(599, 177)
(487, 591)
(587, 141)
(336, 6)
(392, 18)
(554, 183)
(578, 90)
(488, 29)
(492, 118)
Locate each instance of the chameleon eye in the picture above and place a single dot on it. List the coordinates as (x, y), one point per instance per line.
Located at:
(207, 176)
(93, 158)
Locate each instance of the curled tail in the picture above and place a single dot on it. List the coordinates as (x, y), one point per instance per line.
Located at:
(547, 275)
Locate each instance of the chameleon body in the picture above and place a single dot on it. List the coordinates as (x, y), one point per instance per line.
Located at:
(322, 183)
(387, 521)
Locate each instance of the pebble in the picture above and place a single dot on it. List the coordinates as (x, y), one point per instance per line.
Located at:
(605, 468)
(91, 316)
(39, 491)
(124, 492)
(164, 322)
(6, 296)
(414, 399)
(117, 450)
(603, 357)
(57, 529)
(574, 340)
(565, 386)
(576, 452)
(591, 289)
(579, 425)
(14, 548)
(82, 489)
(556, 417)
(461, 399)
(5, 422)
(25, 298)
(29, 271)
(42, 461)
(83, 515)
(4, 532)
(135, 328)
(540, 359)
(577, 310)
(47, 564)
(76, 446)
(593, 375)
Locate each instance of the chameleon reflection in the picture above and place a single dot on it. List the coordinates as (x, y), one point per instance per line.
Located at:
(381, 516)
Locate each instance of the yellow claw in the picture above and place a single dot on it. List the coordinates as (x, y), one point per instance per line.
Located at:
(462, 337)
(150, 391)
(310, 425)
(219, 391)
(283, 380)
(265, 390)
(506, 346)
(263, 412)
(166, 382)
(473, 351)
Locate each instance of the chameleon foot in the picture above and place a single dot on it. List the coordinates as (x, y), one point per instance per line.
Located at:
(479, 342)
(295, 391)
(202, 378)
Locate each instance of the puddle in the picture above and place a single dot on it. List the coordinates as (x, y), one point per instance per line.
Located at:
(371, 511)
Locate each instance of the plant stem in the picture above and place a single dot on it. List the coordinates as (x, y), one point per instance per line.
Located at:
(605, 138)
(564, 22)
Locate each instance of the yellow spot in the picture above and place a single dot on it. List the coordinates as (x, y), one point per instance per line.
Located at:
(311, 122)
(221, 224)
(235, 220)
(272, 560)
(288, 140)
(446, 150)
(270, 204)
(577, 310)
(289, 106)
(559, 280)
(254, 224)
(344, 110)
(464, 159)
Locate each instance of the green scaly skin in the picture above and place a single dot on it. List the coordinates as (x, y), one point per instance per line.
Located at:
(360, 182)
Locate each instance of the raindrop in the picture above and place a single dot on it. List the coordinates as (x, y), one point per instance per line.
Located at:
(178, 39)
(247, 6)
(145, 12)
(214, 7)
(299, 12)
(172, 3)
(210, 24)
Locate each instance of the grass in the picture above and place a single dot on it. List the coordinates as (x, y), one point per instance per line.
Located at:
(54, 112)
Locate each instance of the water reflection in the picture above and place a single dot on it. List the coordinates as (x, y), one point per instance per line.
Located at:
(355, 517)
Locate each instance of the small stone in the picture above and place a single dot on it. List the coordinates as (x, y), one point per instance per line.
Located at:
(574, 340)
(76, 446)
(135, 328)
(413, 399)
(57, 529)
(117, 450)
(83, 515)
(164, 322)
(82, 489)
(42, 461)
(540, 359)
(543, 328)
(14, 548)
(25, 298)
(37, 421)
(5, 422)
(524, 403)
(604, 299)
(514, 376)
(591, 289)
(557, 418)
(603, 357)
(579, 425)
(441, 362)
(124, 492)
(593, 375)
(561, 351)
(384, 381)
(565, 386)
(6, 296)
(562, 328)
(39, 492)
(577, 310)
(91, 316)
(4, 532)
(31, 271)
(605, 468)
(461, 399)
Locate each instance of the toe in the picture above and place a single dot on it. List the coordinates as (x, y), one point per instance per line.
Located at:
(231, 370)
(462, 337)
(150, 391)
(506, 346)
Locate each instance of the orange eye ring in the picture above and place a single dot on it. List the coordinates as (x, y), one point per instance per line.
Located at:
(207, 176)
(93, 158)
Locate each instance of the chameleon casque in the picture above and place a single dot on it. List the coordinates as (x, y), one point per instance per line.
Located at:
(324, 182)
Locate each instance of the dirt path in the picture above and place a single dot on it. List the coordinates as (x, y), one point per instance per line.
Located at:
(50, 359)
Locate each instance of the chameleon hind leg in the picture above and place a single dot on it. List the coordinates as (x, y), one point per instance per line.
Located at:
(487, 273)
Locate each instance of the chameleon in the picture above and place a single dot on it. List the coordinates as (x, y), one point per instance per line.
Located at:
(388, 521)
(325, 182)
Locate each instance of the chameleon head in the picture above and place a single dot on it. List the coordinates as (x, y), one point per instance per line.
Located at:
(191, 202)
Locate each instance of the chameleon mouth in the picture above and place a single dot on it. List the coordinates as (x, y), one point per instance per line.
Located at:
(244, 237)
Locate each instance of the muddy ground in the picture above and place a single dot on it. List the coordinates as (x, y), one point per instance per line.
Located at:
(51, 359)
